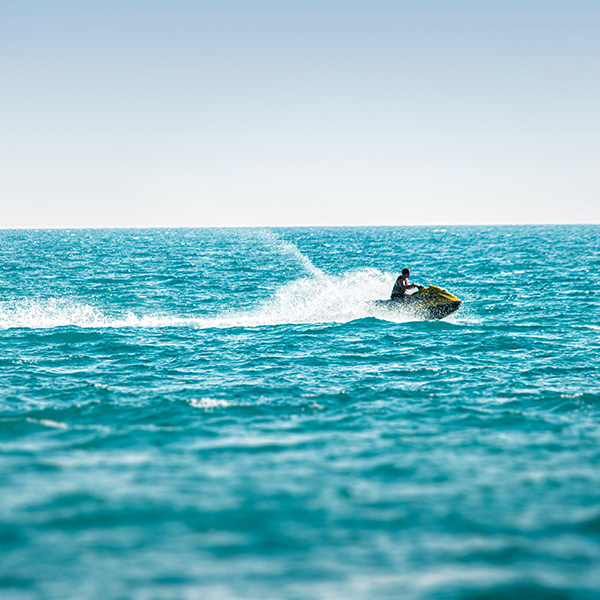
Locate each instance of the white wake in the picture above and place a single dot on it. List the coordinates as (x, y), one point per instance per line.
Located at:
(316, 298)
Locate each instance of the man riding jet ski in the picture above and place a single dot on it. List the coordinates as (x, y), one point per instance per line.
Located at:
(402, 286)
(429, 303)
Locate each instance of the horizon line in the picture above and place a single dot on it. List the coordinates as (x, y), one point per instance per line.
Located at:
(149, 227)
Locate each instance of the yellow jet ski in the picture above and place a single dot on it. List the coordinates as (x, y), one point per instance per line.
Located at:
(426, 302)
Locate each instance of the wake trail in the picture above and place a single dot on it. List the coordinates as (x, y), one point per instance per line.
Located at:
(319, 298)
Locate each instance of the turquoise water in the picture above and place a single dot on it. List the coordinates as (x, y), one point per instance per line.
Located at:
(219, 414)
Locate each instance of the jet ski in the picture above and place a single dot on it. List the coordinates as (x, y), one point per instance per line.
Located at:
(425, 302)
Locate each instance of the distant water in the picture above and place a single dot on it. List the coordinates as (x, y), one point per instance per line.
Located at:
(219, 414)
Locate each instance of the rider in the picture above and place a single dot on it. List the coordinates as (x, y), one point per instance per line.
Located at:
(401, 285)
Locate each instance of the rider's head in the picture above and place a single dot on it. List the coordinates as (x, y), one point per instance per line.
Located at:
(405, 272)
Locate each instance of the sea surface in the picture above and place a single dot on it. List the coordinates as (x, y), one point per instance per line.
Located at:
(220, 414)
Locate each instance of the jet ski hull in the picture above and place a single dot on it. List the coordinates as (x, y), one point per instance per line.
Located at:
(428, 303)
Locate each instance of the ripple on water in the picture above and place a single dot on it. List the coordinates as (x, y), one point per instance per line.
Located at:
(218, 414)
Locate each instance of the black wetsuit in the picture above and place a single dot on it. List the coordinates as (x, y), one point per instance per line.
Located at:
(399, 291)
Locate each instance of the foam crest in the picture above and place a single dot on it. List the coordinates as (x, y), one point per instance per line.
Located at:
(208, 404)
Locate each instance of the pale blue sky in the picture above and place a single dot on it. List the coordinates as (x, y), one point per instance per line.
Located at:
(245, 113)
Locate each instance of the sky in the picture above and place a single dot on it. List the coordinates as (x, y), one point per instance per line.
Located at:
(262, 113)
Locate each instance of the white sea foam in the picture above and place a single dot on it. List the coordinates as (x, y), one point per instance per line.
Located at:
(47, 313)
(323, 299)
(48, 423)
(208, 403)
(318, 298)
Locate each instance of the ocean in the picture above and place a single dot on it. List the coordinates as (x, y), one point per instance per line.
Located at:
(219, 414)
